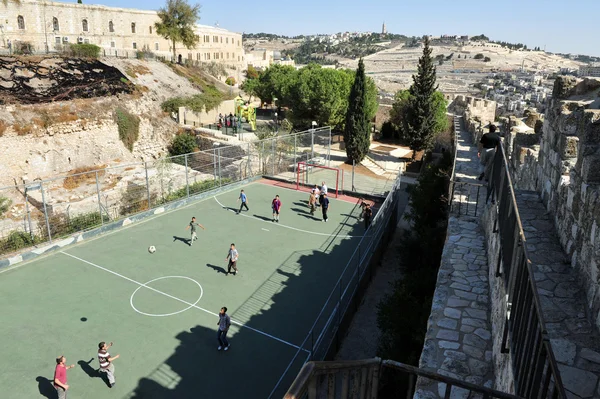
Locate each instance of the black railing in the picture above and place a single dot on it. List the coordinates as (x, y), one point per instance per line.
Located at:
(360, 379)
(525, 337)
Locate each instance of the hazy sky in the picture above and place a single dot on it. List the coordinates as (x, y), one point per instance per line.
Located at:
(561, 26)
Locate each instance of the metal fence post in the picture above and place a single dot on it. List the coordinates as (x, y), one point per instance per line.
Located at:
(187, 182)
(263, 166)
(147, 184)
(329, 150)
(215, 163)
(28, 214)
(99, 200)
(353, 166)
(46, 212)
(273, 154)
(312, 143)
(248, 168)
(219, 160)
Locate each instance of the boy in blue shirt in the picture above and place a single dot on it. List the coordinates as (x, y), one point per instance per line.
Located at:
(244, 200)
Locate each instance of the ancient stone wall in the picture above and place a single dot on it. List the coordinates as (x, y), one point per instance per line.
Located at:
(564, 167)
(478, 113)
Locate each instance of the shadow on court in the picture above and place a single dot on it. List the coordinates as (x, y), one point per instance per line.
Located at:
(265, 218)
(46, 388)
(183, 240)
(218, 269)
(92, 372)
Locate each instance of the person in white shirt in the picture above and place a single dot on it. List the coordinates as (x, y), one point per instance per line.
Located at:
(317, 195)
(323, 188)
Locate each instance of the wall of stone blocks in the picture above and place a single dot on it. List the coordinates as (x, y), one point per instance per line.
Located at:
(477, 115)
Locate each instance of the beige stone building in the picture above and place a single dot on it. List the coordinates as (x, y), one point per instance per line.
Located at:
(49, 26)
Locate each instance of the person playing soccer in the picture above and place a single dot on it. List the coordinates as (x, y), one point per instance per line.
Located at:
(232, 257)
(276, 205)
(368, 214)
(244, 200)
(223, 323)
(311, 202)
(60, 377)
(317, 195)
(106, 362)
(192, 227)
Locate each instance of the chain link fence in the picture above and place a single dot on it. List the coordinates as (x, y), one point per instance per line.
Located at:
(38, 212)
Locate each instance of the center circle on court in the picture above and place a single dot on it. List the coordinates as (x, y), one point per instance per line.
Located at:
(169, 296)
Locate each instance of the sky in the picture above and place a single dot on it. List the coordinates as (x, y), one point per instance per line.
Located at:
(559, 26)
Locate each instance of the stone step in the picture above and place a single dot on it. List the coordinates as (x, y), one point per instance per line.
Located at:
(373, 167)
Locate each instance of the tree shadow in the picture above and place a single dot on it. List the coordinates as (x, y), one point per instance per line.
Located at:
(187, 241)
(46, 388)
(218, 269)
(92, 372)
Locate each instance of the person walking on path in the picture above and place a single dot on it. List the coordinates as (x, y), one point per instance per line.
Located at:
(368, 214)
(276, 205)
(60, 377)
(244, 200)
(324, 206)
(223, 323)
(232, 257)
(311, 202)
(106, 362)
(487, 149)
(192, 227)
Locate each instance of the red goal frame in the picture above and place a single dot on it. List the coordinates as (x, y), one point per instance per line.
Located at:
(302, 167)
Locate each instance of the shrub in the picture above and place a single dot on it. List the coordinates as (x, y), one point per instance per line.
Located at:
(3, 127)
(84, 50)
(388, 131)
(208, 100)
(17, 240)
(183, 143)
(478, 56)
(172, 104)
(230, 81)
(62, 225)
(5, 204)
(134, 199)
(23, 130)
(78, 176)
(129, 127)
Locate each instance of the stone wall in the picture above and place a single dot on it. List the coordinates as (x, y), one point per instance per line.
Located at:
(565, 169)
(477, 112)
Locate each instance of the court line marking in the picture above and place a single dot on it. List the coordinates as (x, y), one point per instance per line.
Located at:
(262, 228)
(182, 301)
(283, 225)
(166, 314)
(286, 370)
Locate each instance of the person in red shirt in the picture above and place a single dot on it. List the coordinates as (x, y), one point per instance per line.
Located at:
(276, 205)
(60, 377)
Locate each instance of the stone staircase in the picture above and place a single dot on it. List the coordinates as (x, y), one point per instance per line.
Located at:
(370, 164)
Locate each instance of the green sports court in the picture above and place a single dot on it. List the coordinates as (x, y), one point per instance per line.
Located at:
(160, 309)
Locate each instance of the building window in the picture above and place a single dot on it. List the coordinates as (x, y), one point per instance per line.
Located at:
(86, 41)
(133, 27)
(226, 40)
(156, 46)
(134, 45)
(57, 39)
(55, 26)
(111, 27)
(112, 44)
(150, 29)
(221, 39)
(21, 22)
(84, 25)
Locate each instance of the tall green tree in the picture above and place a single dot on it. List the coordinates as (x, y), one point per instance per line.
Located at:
(357, 132)
(276, 82)
(419, 120)
(177, 21)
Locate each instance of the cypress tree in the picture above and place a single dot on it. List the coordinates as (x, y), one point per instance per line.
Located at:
(357, 132)
(419, 121)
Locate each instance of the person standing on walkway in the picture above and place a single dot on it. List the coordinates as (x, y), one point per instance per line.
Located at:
(244, 200)
(192, 227)
(324, 206)
(317, 195)
(368, 214)
(106, 362)
(276, 205)
(232, 257)
(487, 149)
(311, 202)
(60, 377)
(223, 323)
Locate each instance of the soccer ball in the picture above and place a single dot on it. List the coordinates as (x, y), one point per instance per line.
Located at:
(152, 249)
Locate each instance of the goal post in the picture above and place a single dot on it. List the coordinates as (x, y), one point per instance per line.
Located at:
(310, 174)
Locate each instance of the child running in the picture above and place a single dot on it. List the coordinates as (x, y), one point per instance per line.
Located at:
(276, 205)
(192, 226)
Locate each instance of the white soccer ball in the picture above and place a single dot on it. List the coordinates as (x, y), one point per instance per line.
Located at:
(152, 249)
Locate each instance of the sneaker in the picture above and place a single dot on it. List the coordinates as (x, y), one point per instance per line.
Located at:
(113, 384)
(235, 274)
(227, 347)
(219, 348)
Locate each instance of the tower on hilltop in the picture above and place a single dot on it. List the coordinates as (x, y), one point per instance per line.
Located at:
(384, 29)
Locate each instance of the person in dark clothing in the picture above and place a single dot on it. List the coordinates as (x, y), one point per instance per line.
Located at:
(324, 206)
(487, 150)
(367, 215)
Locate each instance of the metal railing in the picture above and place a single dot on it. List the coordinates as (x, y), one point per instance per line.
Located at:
(334, 315)
(40, 211)
(360, 379)
(524, 336)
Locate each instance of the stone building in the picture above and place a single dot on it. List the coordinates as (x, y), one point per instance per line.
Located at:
(49, 26)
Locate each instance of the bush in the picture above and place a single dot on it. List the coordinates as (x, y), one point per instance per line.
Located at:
(487, 59)
(84, 50)
(129, 127)
(388, 131)
(5, 204)
(478, 56)
(172, 104)
(17, 240)
(208, 100)
(183, 143)
(230, 81)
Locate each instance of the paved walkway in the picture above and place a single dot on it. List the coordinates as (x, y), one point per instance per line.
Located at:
(458, 342)
(575, 341)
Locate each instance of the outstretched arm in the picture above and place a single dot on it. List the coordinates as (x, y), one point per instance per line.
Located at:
(201, 226)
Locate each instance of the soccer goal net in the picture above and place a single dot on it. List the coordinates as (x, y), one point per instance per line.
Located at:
(309, 175)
